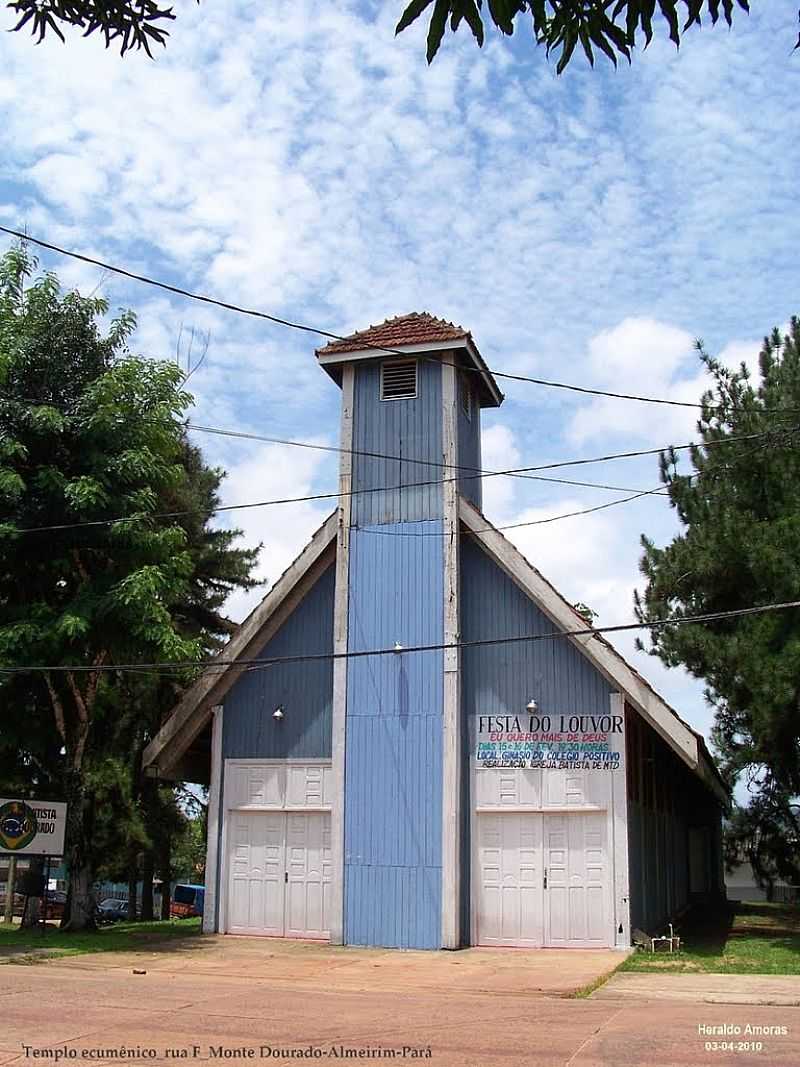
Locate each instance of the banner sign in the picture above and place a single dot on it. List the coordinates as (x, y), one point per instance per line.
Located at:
(32, 827)
(550, 742)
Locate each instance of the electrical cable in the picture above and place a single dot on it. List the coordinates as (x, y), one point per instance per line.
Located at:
(463, 468)
(318, 331)
(716, 616)
(379, 489)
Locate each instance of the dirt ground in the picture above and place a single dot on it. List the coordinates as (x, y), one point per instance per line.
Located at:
(238, 999)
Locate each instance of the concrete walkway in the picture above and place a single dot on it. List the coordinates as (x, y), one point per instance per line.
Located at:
(704, 988)
(276, 1002)
(297, 964)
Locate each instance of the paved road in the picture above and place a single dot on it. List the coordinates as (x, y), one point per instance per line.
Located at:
(265, 1003)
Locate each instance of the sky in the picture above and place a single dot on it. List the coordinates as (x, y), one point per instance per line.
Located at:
(303, 161)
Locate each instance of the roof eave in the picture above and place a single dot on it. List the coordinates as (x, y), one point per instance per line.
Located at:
(193, 711)
(683, 740)
(491, 397)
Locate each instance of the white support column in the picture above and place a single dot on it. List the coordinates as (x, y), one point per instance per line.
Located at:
(451, 734)
(619, 837)
(340, 628)
(214, 819)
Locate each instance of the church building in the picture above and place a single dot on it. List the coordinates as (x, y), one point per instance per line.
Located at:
(414, 740)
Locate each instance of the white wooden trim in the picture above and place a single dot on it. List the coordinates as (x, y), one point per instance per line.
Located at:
(451, 717)
(621, 910)
(397, 351)
(340, 636)
(224, 873)
(193, 711)
(254, 809)
(297, 761)
(532, 809)
(212, 831)
(361, 354)
(608, 662)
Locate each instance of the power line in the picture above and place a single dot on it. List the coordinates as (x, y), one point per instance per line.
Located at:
(436, 647)
(659, 490)
(379, 489)
(314, 446)
(318, 331)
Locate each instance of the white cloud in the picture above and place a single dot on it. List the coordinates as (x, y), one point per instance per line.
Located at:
(640, 357)
(303, 161)
(273, 472)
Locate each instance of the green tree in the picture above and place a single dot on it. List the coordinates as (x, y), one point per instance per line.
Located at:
(89, 432)
(613, 27)
(739, 546)
(766, 834)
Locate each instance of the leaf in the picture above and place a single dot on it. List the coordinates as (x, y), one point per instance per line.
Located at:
(437, 28)
(472, 17)
(570, 40)
(411, 14)
(671, 15)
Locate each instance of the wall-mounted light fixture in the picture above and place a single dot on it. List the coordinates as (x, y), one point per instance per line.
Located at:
(278, 713)
(532, 706)
(398, 647)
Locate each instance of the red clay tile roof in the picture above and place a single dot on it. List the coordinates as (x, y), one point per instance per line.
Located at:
(414, 329)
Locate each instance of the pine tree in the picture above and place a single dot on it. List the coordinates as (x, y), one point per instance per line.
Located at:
(739, 546)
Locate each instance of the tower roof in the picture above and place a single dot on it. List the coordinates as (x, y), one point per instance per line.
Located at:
(418, 331)
(417, 328)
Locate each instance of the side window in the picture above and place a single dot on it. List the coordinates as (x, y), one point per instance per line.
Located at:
(465, 393)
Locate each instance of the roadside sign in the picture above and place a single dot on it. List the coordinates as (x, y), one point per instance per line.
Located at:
(32, 827)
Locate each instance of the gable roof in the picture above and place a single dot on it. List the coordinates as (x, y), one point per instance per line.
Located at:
(419, 331)
(416, 328)
(194, 709)
(193, 712)
(685, 741)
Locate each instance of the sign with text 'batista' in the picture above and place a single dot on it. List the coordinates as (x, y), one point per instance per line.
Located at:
(550, 742)
(32, 827)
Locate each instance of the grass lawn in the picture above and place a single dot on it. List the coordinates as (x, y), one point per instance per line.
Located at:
(118, 937)
(740, 938)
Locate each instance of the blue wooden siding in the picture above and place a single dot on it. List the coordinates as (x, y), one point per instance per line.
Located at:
(393, 767)
(410, 429)
(469, 448)
(665, 801)
(304, 690)
(501, 679)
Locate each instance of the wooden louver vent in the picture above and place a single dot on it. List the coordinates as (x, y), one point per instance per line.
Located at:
(399, 379)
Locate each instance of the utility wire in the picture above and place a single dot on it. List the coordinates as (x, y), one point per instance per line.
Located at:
(377, 489)
(465, 469)
(440, 646)
(318, 331)
(659, 490)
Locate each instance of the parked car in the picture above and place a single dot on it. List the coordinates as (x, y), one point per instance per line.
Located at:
(19, 904)
(112, 910)
(56, 903)
(187, 901)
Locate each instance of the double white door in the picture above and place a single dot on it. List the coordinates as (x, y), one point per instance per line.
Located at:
(543, 880)
(279, 874)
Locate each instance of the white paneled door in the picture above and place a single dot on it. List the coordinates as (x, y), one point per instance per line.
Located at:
(280, 873)
(511, 881)
(576, 858)
(542, 880)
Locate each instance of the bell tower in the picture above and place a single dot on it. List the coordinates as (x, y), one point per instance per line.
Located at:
(412, 393)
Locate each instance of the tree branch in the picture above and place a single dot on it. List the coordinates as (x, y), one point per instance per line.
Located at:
(58, 708)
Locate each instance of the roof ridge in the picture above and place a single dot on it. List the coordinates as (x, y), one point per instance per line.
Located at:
(411, 328)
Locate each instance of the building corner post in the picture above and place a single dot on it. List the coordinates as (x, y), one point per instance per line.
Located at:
(451, 734)
(340, 636)
(619, 835)
(211, 920)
